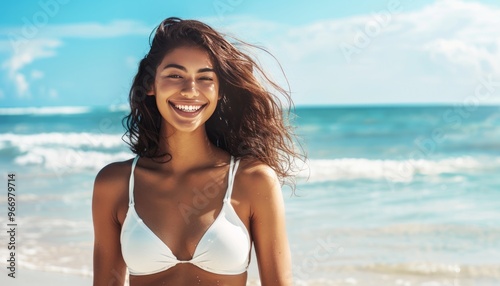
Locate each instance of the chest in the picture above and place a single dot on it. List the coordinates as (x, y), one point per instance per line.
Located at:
(180, 210)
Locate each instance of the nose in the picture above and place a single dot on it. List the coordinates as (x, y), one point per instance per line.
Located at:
(189, 90)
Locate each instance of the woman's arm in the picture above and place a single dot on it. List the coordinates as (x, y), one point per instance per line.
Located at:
(109, 267)
(268, 226)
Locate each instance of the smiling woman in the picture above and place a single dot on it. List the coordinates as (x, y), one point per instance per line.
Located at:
(212, 148)
(191, 90)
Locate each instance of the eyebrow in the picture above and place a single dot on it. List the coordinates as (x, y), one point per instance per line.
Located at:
(176, 66)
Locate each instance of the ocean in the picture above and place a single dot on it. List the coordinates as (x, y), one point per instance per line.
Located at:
(396, 195)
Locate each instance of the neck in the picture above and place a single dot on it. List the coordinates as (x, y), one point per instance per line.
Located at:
(189, 150)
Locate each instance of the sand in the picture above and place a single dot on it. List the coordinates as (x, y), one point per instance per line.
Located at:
(42, 278)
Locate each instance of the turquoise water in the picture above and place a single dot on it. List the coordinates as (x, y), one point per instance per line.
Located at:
(389, 195)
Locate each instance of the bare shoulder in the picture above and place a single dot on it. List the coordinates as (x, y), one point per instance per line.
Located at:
(111, 183)
(113, 174)
(256, 172)
(256, 180)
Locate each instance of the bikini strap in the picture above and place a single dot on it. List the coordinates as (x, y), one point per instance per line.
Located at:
(233, 167)
(131, 182)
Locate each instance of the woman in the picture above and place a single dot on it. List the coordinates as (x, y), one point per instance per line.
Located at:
(212, 150)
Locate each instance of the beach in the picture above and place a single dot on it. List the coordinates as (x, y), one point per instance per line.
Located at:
(389, 195)
(44, 278)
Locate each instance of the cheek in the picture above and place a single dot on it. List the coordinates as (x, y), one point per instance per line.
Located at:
(209, 87)
(165, 86)
(211, 92)
(214, 89)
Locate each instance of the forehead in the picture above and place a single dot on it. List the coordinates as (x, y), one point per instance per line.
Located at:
(188, 56)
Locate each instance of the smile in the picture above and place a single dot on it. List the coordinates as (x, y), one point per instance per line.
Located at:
(188, 108)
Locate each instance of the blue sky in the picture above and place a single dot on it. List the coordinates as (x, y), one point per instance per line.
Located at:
(85, 53)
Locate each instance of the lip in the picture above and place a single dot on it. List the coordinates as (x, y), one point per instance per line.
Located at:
(184, 113)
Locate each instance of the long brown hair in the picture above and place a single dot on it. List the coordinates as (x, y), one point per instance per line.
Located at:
(248, 121)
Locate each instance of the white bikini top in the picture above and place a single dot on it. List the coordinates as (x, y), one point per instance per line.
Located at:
(223, 249)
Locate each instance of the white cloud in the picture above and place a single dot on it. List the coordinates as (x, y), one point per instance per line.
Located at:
(434, 54)
(21, 84)
(26, 46)
(25, 54)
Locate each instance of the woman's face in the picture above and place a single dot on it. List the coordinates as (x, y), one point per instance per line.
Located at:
(186, 88)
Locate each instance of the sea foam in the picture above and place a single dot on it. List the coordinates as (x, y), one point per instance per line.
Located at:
(45, 110)
(391, 170)
(86, 150)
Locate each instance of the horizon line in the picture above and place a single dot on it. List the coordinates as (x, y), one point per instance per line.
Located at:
(79, 109)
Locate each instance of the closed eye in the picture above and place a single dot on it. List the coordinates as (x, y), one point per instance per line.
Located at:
(206, 78)
(174, 76)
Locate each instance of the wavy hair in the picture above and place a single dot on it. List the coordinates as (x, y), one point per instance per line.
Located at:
(249, 120)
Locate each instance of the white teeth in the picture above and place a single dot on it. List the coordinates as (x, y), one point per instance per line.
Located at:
(188, 108)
